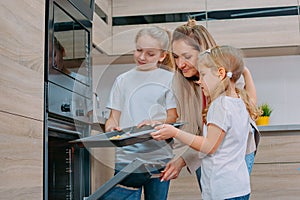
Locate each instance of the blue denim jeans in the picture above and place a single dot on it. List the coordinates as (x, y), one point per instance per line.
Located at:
(246, 197)
(250, 161)
(154, 189)
(121, 193)
(198, 174)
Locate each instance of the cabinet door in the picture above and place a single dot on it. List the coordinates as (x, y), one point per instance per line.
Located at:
(21, 158)
(275, 181)
(278, 149)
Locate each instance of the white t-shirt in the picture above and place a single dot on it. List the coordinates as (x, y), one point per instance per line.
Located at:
(142, 95)
(224, 174)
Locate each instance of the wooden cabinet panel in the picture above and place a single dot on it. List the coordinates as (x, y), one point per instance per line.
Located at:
(105, 5)
(22, 89)
(101, 35)
(21, 157)
(102, 166)
(22, 32)
(123, 39)
(102, 32)
(278, 149)
(241, 33)
(123, 36)
(241, 4)
(256, 32)
(22, 98)
(22, 57)
(137, 7)
(275, 181)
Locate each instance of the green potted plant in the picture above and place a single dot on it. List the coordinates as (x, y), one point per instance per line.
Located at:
(266, 111)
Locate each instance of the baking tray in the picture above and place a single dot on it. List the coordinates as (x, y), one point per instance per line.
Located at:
(127, 136)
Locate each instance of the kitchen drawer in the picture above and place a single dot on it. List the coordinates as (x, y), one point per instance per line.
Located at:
(275, 181)
(278, 148)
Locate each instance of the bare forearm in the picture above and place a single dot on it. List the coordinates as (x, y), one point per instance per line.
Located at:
(171, 120)
(249, 85)
(171, 115)
(206, 145)
(110, 123)
(195, 142)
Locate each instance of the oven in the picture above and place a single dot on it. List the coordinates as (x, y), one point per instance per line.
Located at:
(68, 98)
(68, 171)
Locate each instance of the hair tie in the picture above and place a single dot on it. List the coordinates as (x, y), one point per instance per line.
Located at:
(208, 51)
(191, 23)
(229, 74)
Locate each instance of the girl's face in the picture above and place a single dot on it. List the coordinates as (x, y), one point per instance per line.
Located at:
(186, 58)
(148, 51)
(209, 80)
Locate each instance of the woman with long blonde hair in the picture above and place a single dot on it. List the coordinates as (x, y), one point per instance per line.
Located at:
(188, 41)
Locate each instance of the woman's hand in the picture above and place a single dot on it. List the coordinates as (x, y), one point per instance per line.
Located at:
(172, 169)
(114, 128)
(148, 122)
(164, 132)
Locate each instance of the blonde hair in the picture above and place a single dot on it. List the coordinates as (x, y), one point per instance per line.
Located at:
(163, 37)
(231, 59)
(188, 95)
(156, 33)
(194, 35)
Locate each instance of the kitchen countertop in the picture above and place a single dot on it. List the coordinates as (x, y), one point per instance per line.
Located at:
(280, 128)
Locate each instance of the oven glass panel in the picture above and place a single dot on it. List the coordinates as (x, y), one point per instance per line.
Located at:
(88, 2)
(70, 54)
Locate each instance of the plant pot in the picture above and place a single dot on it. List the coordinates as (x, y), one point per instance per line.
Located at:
(263, 121)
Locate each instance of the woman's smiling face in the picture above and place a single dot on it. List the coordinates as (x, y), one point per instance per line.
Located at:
(186, 58)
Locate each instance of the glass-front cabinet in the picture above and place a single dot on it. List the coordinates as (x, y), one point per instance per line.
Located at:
(69, 71)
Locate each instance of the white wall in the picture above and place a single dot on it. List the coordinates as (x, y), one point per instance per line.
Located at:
(276, 79)
(103, 79)
(277, 82)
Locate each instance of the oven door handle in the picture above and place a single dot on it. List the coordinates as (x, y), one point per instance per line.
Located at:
(53, 128)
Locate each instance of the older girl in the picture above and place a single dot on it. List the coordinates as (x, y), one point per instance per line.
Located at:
(143, 94)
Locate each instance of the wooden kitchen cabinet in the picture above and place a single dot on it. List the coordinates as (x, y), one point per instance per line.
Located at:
(21, 157)
(102, 30)
(246, 32)
(22, 99)
(275, 181)
(276, 172)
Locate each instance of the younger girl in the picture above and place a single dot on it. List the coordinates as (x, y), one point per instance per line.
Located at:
(225, 133)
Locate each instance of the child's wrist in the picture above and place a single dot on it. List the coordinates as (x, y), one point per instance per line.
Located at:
(184, 137)
(177, 133)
